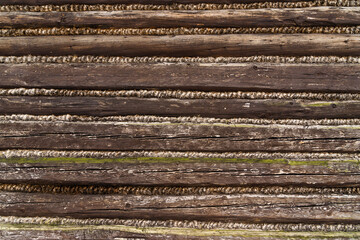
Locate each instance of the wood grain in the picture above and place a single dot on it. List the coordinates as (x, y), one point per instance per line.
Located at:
(220, 108)
(178, 137)
(238, 207)
(178, 172)
(192, 76)
(275, 17)
(60, 2)
(185, 46)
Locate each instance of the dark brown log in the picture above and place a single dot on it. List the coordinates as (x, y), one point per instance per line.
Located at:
(275, 17)
(185, 45)
(247, 172)
(66, 234)
(221, 108)
(60, 2)
(206, 77)
(238, 207)
(176, 137)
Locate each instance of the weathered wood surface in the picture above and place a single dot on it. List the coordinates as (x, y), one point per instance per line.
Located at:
(174, 172)
(21, 231)
(60, 2)
(185, 45)
(180, 137)
(222, 108)
(238, 207)
(83, 234)
(192, 76)
(274, 17)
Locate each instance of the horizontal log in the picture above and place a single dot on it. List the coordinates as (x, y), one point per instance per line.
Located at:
(221, 108)
(192, 76)
(74, 231)
(177, 137)
(181, 172)
(60, 2)
(238, 207)
(78, 232)
(185, 45)
(274, 17)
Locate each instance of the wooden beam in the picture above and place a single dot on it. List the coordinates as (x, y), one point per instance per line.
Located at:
(192, 76)
(220, 108)
(274, 17)
(179, 137)
(181, 172)
(294, 208)
(185, 46)
(61, 2)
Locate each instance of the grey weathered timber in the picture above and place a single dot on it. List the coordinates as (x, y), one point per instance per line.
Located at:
(294, 208)
(60, 2)
(179, 137)
(221, 108)
(185, 45)
(174, 172)
(192, 76)
(274, 17)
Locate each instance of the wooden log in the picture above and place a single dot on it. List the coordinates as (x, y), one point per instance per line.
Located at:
(61, 2)
(274, 17)
(74, 232)
(220, 108)
(194, 76)
(294, 208)
(181, 172)
(62, 231)
(177, 137)
(185, 45)
(31, 231)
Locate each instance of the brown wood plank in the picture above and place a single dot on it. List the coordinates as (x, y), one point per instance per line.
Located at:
(221, 108)
(248, 172)
(185, 45)
(194, 76)
(60, 2)
(177, 137)
(26, 234)
(238, 207)
(275, 17)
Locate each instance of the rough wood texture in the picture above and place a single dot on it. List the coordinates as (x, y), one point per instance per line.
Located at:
(180, 137)
(60, 2)
(185, 46)
(275, 17)
(20, 232)
(240, 172)
(194, 76)
(83, 234)
(226, 108)
(238, 207)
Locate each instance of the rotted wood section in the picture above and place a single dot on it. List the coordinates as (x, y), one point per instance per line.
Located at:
(216, 119)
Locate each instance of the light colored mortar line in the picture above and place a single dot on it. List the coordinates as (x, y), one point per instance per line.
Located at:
(189, 120)
(174, 31)
(140, 223)
(123, 60)
(30, 153)
(178, 94)
(176, 6)
(174, 191)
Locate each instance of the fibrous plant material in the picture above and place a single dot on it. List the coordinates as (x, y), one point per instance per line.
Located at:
(159, 119)
(178, 94)
(32, 153)
(201, 6)
(143, 190)
(142, 223)
(13, 32)
(119, 60)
